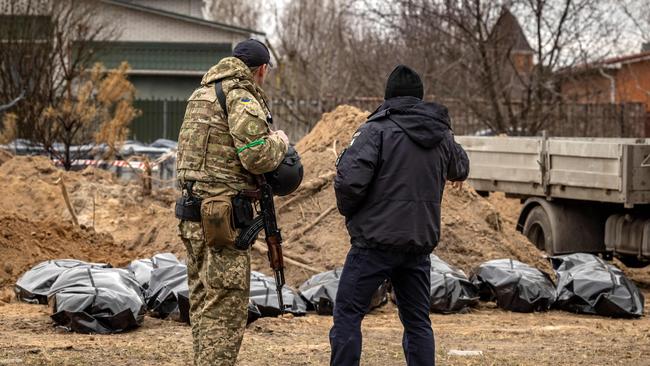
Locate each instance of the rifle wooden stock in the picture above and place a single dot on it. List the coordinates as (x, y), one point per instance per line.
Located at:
(276, 259)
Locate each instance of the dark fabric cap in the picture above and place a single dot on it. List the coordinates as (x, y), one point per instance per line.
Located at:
(252, 52)
(403, 82)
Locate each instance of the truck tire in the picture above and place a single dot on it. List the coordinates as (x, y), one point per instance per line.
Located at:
(538, 230)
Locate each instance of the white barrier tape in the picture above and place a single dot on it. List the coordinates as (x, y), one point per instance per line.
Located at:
(116, 163)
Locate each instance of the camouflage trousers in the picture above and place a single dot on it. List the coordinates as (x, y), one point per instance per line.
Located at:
(219, 281)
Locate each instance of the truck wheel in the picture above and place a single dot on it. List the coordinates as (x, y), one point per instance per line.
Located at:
(538, 230)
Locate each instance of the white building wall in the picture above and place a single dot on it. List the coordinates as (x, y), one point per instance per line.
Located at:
(139, 26)
(187, 7)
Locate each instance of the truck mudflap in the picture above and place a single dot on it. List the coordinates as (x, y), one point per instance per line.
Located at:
(626, 235)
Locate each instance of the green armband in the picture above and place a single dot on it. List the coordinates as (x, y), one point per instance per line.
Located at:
(251, 144)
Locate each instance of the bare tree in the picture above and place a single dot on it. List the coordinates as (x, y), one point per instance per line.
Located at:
(243, 13)
(500, 66)
(326, 55)
(48, 50)
(637, 13)
(100, 109)
(307, 45)
(499, 60)
(27, 60)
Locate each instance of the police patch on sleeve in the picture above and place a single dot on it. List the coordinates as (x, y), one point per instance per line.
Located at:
(338, 159)
(354, 137)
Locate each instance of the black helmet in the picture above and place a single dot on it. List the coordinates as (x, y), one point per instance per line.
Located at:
(288, 175)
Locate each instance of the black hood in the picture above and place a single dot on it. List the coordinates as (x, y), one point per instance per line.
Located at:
(424, 123)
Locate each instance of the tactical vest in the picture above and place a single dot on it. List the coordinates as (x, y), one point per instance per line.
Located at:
(206, 151)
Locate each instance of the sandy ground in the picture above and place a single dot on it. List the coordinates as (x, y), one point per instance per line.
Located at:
(34, 227)
(27, 337)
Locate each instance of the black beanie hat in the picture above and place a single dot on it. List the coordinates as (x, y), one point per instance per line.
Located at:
(402, 82)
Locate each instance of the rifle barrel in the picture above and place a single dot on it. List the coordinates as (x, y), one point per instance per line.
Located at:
(279, 283)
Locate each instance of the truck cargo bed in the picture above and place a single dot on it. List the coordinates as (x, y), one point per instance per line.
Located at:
(593, 169)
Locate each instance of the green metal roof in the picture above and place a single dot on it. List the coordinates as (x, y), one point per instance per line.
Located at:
(162, 56)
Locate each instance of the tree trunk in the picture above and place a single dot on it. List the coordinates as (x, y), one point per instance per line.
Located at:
(67, 164)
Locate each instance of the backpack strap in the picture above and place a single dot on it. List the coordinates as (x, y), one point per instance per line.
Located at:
(221, 97)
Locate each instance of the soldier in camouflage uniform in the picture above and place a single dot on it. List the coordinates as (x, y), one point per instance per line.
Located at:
(221, 153)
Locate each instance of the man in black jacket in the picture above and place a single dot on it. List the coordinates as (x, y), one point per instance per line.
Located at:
(389, 187)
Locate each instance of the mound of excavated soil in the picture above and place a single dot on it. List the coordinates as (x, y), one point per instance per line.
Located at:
(24, 243)
(315, 233)
(117, 224)
(5, 156)
(37, 225)
(145, 224)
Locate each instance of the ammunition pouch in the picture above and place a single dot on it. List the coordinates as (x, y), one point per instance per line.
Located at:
(220, 218)
(218, 222)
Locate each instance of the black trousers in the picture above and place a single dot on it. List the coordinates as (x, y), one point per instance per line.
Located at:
(363, 273)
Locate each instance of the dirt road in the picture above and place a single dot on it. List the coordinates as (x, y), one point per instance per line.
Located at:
(555, 338)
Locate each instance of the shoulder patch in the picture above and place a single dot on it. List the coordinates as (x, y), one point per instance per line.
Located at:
(255, 127)
(245, 100)
(354, 137)
(338, 159)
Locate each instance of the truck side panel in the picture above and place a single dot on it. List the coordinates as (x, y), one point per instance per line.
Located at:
(588, 165)
(498, 164)
(600, 170)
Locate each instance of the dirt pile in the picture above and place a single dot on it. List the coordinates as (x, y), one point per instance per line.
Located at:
(24, 243)
(472, 229)
(141, 226)
(5, 156)
(315, 233)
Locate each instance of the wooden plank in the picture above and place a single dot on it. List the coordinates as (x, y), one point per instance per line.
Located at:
(527, 189)
(607, 140)
(579, 164)
(504, 173)
(572, 178)
(515, 161)
(584, 149)
(587, 194)
(500, 144)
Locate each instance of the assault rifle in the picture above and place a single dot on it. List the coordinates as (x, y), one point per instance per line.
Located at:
(265, 220)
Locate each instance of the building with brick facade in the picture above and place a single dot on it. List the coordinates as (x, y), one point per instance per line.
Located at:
(618, 80)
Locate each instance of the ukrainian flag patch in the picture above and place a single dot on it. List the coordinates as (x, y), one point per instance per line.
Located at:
(245, 100)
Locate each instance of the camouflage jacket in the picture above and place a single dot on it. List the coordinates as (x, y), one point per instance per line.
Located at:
(223, 154)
